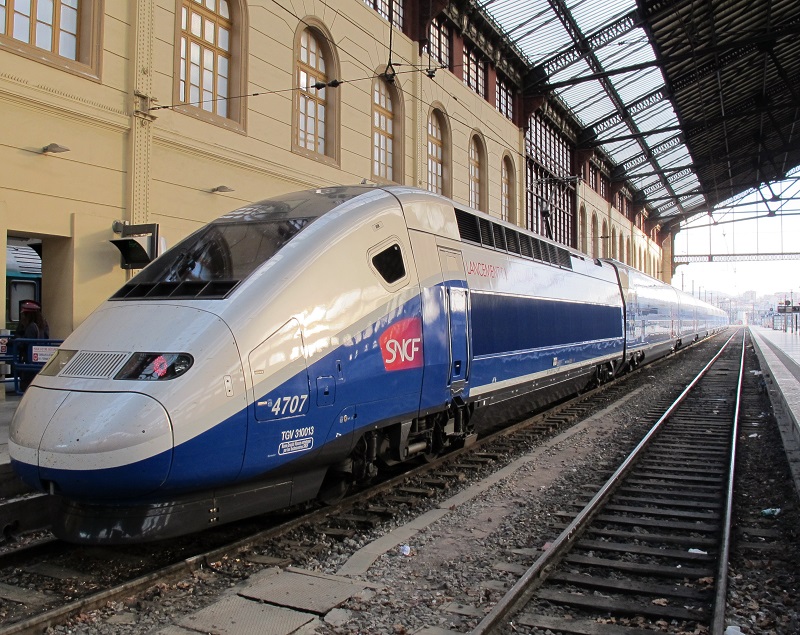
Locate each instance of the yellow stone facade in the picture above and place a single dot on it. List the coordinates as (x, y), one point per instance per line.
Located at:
(132, 159)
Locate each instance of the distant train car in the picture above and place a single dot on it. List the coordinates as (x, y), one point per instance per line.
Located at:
(659, 318)
(299, 344)
(23, 278)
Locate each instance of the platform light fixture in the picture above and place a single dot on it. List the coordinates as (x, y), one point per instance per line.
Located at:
(222, 188)
(54, 148)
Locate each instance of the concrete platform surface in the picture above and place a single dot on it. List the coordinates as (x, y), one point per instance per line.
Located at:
(779, 355)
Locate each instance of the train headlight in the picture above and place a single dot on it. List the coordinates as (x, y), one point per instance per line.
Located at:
(57, 362)
(155, 366)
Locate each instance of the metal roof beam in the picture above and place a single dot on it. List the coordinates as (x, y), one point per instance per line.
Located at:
(634, 108)
(691, 127)
(621, 175)
(723, 51)
(589, 43)
(698, 191)
(644, 157)
(581, 41)
(627, 137)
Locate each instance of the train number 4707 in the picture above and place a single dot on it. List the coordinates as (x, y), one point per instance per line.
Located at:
(289, 405)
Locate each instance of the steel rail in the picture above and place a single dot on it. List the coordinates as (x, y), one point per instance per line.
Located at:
(525, 587)
(718, 619)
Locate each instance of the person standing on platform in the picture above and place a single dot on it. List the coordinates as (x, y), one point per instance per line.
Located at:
(32, 325)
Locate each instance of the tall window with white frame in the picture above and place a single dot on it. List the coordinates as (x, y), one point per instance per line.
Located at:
(382, 131)
(474, 70)
(313, 105)
(550, 197)
(474, 173)
(508, 194)
(50, 25)
(505, 98)
(383, 7)
(439, 42)
(205, 55)
(435, 154)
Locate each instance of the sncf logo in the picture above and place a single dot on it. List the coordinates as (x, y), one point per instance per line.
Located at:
(401, 345)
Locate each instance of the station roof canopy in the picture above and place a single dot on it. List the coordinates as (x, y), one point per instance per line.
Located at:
(695, 102)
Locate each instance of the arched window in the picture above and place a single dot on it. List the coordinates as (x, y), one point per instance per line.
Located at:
(382, 131)
(595, 245)
(62, 33)
(584, 228)
(604, 237)
(508, 193)
(315, 121)
(439, 153)
(621, 254)
(477, 174)
(614, 243)
(628, 254)
(210, 60)
(387, 134)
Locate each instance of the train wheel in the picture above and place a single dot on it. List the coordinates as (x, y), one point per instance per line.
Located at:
(334, 487)
(438, 441)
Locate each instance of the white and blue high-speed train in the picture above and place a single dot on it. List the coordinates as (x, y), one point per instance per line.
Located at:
(297, 344)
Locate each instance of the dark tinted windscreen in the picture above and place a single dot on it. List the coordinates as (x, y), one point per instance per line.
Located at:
(223, 251)
(235, 245)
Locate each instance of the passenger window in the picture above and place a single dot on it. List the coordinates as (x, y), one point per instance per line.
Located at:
(389, 263)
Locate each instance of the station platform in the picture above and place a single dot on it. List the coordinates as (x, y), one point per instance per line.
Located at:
(779, 354)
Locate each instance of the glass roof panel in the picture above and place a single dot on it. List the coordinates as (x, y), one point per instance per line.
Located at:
(592, 15)
(537, 30)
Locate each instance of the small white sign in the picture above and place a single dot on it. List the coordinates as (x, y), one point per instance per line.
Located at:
(40, 354)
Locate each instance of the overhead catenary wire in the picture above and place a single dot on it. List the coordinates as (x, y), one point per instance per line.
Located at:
(491, 133)
(357, 59)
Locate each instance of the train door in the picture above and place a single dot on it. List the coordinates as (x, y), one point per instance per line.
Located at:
(277, 429)
(456, 301)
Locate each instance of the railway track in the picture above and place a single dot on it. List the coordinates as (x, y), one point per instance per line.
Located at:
(650, 549)
(135, 570)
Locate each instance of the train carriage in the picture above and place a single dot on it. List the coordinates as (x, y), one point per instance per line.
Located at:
(298, 345)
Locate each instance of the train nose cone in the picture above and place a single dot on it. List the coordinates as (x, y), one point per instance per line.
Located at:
(92, 445)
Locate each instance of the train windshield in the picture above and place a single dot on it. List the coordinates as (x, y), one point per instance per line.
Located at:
(212, 261)
(223, 250)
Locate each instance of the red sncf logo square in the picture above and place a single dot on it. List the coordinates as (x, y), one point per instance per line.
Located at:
(401, 345)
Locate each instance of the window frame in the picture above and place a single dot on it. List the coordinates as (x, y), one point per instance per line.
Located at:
(474, 70)
(89, 44)
(382, 246)
(236, 116)
(477, 173)
(381, 7)
(504, 98)
(437, 111)
(508, 189)
(548, 168)
(440, 42)
(328, 52)
(395, 114)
